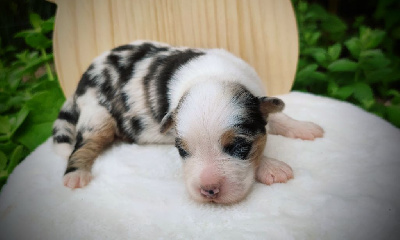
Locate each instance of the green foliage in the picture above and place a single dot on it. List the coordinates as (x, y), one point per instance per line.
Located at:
(30, 97)
(352, 63)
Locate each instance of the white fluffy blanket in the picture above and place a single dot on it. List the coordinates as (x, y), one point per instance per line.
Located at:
(346, 186)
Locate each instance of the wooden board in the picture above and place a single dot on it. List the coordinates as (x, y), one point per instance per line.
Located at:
(262, 32)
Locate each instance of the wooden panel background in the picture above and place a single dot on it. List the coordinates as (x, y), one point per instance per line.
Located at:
(262, 32)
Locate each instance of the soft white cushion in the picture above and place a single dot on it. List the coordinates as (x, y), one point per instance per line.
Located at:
(346, 186)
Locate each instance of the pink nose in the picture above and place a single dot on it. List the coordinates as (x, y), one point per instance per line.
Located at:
(210, 191)
(210, 182)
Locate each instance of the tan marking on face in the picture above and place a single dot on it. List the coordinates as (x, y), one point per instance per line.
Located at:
(257, 149)
(227, 137)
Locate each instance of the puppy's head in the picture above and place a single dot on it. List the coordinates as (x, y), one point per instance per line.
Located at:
(221, 135)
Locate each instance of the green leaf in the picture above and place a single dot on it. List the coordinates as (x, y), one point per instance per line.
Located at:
(25, 33)
(16, 121)
(364, 94)
(358, 21)
(48, 25)
(16, 101)
(317, 76)
(344, 92)
(10, 48)
(3, 177)
(317, 12)
(370, 38)
(34, 135)
(303, 6)
(334, 25)
(22, 56)
(31, 66)
(373, 60)
(395, 94)
(15, 158)
(319, 54)
(343, 65)
(308, 69)
(35, 20)
(302, 63)
(7, 147)
(309, 74)
(379, 75)
(393, 114)
(5, 126)
(378, 109)
(332, 87)
(334, 51)
(44, 106)
(3, 160)
(311, 37)
(38, 41)
(354, 46)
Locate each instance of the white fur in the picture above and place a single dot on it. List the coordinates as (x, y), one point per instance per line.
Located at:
(216, 65)
(65, 128)
(94, 114)
(206, 111)
(346, 186)
(63, 149)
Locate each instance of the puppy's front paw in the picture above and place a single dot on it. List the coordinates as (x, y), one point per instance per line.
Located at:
(77, 179)
(273, 171)
(305, 130)
(292, 128)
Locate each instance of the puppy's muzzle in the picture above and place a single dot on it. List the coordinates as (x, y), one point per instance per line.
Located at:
(211, 183)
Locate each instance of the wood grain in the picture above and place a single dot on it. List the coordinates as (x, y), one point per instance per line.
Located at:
(262, 32)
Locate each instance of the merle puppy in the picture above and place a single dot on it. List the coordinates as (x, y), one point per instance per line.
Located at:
(207, 102)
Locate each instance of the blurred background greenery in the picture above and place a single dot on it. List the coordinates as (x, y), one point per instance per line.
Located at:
(349, 50)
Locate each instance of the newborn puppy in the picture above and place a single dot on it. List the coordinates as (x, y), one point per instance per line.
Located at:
(208, 102)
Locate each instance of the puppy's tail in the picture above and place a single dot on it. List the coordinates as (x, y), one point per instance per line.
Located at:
(64, 128)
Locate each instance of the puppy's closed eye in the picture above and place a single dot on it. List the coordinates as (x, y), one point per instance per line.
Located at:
(239, 148)
(181, 148)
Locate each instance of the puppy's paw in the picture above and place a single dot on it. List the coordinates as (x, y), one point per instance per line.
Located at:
(273, 171)
(292, 128)
(77, 179)
(304, 130)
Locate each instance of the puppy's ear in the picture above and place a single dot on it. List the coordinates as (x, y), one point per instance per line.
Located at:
(167, 122)
(270, 105)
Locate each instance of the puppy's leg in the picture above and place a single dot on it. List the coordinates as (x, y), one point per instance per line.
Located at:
(273, 171)
(281, 124)
(95, 133)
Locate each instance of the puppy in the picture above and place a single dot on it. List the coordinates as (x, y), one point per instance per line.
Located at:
(208, 102)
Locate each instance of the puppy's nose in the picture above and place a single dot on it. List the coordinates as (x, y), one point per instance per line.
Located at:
(210, 191)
